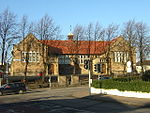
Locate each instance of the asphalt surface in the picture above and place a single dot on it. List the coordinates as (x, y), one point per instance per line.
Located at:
(70, 100)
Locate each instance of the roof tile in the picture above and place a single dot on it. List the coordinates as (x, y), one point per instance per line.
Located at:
(76, 47)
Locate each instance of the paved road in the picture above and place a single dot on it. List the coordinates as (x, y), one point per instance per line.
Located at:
(65, 100)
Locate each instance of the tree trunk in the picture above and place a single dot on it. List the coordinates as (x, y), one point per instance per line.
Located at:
(3, 52)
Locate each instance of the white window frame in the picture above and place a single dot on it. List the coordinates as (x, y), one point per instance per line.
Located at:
(82, 58)
(31, 55)
(120, 56)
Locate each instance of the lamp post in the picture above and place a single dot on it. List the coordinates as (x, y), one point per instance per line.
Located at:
(50, 83)
(6, 72)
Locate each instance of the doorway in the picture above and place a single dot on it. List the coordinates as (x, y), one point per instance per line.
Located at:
(50, 69)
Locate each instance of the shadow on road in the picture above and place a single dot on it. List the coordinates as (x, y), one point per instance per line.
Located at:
(83, 105)
(120, 99)
(34, 91)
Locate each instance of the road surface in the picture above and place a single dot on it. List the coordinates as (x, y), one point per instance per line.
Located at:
(64, 100)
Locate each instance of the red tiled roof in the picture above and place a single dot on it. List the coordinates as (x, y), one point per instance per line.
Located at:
(73, 47)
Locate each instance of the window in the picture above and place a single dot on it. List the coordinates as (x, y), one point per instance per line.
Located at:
(120, 56)
(61, 59)
(23, 57)
(64, 59)
(67, 60)
(102, 60)
(31, 56)
(82, 58)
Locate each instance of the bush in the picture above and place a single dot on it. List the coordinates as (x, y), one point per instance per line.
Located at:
(135, 85)
(146, 76)
(127, 79)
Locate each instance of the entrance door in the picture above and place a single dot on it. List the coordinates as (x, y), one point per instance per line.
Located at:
(51, 69)
(103, 68)
(68, 80)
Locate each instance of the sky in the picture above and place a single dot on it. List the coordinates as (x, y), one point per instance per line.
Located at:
(73, 12)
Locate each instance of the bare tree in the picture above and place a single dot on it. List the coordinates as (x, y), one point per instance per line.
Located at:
(98, 32)
(110, 32)
(94, 33)
(8, 33)
(46, 30)
(142, 41)
(31, 28)
(82, 33)
(27, 47)
(79, 32)
(129, 33)
(91, 34)
(98, 35)
(23, 27)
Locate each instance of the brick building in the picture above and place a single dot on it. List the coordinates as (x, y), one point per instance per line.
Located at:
(66, 57)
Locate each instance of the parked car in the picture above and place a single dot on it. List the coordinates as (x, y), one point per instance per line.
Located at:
(102, 77)
(17, 87)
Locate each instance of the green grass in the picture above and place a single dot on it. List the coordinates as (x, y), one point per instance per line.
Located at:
(123, 84)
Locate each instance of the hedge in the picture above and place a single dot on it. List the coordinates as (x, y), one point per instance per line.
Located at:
(146, 75)
(124, 85)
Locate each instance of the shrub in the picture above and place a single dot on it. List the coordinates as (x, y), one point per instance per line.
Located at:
(127, 79)
(146, 76)
(135, 85)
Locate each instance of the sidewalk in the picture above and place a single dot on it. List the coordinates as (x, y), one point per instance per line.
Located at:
(113, 98)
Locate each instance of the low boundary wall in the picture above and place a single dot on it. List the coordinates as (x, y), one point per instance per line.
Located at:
(120, 93)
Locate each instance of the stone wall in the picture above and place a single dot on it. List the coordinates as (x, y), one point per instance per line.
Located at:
(74, 80)
(62, 80)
